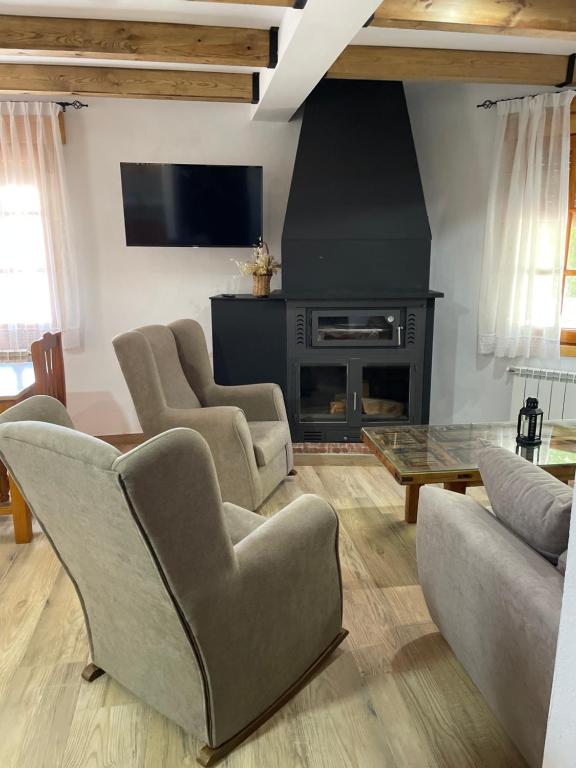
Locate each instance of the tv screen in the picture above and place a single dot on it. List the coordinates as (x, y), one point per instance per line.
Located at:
(192, 205)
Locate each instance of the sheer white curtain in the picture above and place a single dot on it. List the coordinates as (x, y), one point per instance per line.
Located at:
(38, 284)
(525, 244)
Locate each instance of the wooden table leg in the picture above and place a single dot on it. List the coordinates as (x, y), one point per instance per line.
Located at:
(4, 488)
(411, 505)
(456, 487)
(21, 515)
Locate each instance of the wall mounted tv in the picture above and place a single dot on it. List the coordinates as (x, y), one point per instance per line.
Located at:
(214, 206)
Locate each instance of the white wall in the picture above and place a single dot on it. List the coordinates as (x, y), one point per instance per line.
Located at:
(454, 143)
(126, 287)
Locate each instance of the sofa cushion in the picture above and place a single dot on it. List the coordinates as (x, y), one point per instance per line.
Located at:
(269, 438)
(528, 500)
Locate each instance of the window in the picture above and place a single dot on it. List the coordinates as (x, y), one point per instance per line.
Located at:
(25, 309)
(568, 336)
(38, 288)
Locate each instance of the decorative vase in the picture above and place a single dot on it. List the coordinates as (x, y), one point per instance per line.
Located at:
(261, 285)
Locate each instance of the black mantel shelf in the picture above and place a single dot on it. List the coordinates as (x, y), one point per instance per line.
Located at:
(279, 296)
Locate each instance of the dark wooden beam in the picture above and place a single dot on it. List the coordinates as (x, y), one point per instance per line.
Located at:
(381, 63)
(554, 18)
(135, 40)
(127, 82)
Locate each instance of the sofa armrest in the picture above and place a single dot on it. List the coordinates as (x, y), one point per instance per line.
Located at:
(260, 402)
(225, 429)
(497, 602)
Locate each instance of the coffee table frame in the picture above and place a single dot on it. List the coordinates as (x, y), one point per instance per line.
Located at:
(453, 480)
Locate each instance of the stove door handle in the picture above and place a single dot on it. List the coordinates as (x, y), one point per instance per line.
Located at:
(355, 401)
(399, 329)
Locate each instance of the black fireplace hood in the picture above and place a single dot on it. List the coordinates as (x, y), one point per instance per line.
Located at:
(356, 222)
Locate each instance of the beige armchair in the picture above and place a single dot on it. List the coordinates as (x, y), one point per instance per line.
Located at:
(211, 614)
(170, 378)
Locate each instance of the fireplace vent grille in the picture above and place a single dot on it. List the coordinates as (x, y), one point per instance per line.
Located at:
(411, 330)
(301, 329)
(312, 436)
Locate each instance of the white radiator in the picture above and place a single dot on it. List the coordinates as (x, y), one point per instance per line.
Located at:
(555, 390)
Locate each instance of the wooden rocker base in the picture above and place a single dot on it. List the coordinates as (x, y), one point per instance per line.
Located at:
(91, 672)
(211, 755)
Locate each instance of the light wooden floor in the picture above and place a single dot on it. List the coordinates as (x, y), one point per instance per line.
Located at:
(393, 696)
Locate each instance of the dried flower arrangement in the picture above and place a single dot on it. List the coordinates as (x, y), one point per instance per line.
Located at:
(262, 267)
(263, 263)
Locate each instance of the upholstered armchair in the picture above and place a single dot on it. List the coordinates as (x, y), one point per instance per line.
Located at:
(211, 614)
(168, 373)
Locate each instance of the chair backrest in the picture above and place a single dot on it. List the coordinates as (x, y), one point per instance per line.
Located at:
(48, 362)
(193, 354)
(140, 534)
(149, 360)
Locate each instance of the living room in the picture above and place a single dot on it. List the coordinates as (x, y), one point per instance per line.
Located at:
(368, 122)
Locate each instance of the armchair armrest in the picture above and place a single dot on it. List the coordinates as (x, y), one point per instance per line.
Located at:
(225, 429)
(260, 402)
(290, 567)
(283, 610)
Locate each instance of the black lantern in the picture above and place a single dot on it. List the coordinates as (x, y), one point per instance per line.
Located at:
(530, 423)
(529, 452)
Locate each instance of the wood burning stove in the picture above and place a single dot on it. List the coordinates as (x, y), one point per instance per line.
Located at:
(356, 363)
(342, 365)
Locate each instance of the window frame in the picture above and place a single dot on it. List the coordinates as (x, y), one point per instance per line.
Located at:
(568, 335)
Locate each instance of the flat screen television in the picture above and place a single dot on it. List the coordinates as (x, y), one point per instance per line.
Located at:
(216, 206)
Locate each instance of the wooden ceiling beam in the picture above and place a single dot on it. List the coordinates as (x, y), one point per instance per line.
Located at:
(554, 18)
(382, 63)
(135, 41)
(126, 82)
(277, 3)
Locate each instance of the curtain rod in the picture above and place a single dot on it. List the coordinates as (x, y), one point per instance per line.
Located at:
(488, 104)
(74, 104)
(64, 104)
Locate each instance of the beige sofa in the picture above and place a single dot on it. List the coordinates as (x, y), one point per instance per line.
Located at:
(170, 378)
(497, 602)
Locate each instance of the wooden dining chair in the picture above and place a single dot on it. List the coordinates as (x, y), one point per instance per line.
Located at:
(48, 362)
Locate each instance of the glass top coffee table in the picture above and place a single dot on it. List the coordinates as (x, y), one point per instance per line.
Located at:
(419, 455)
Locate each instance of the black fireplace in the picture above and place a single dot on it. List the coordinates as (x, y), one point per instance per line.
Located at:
(342, 365)
(349, 339)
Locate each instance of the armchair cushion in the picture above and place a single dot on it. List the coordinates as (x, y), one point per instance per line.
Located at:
(269, 438)
(240, 522)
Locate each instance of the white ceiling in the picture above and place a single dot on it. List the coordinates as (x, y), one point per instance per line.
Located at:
(469, 41)
(178, 11)
(123, 63)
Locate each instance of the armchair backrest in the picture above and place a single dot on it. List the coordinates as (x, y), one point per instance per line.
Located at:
(149, 360)
(193, 354)
(142, 537)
